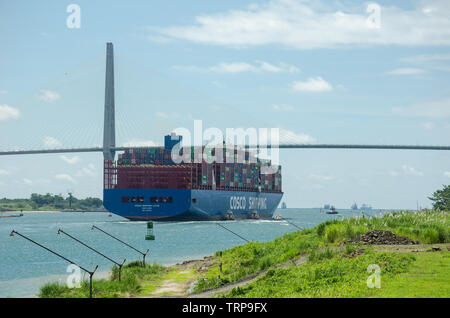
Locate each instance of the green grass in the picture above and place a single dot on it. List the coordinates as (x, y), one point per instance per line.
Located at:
(425, 226)
(133, 276)
(326, 274)
(254, 257)
(429, 276)
(175, 274)
(178, 276)
(332, 277)
(242, 261)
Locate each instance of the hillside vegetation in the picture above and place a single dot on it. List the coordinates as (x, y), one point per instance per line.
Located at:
(317, 262)
(49, 202)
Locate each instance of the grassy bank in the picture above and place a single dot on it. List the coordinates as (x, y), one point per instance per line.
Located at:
(336, 276)
(424, 226)
(412, 274)
(328, 267)
(133, 278)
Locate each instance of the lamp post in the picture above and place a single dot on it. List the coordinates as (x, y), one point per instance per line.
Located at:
(110, 235)
(233, 232)
(91, 273)
(92, 249)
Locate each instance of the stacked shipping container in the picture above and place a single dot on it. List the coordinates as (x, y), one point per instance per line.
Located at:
(149, 168)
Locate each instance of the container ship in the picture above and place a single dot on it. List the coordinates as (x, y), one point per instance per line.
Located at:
(146, 184)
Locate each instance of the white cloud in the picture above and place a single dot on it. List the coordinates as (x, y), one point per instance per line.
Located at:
(427, 125)
(212, 107)
(437, 109)
(52, 142)
(316, 84)
(27, 181)
(71, 161)
(158, 39)
(48, 96)
(411, 171)
(314, 24)
(447, 174)
(217, 84)
(419, 59)
(240, 67)
(407, 171)
(290, 137)
(89, 171)
(264, 66)
(8, 112)
(162, 115)
(320, 177)
(236, 67)
(442, 68)
(406, 71)
(139, 143)
(438, 62)
(282, 107)
(3, 91)
(189, 68)
(284, 137)
(42, 181)
(65, 177)
(3, 172)
(393, 173)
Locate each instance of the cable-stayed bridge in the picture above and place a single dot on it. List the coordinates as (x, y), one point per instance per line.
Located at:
(280, 146)
(109, 131)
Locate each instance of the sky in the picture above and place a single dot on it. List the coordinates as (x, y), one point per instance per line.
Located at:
(320, 71)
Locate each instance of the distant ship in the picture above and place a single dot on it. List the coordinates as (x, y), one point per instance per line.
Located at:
(277, 217)
(365, 207)
(332, 210)
(283, 205)
(326, 206)
(354, 206)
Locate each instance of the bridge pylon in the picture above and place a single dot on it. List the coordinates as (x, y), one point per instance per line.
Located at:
(109, 128)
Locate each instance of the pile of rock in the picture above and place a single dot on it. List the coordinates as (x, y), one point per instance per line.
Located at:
(354, 253)
(381, 237)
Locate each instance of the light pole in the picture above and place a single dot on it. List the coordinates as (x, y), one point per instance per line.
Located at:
(91, 273)
(92, 249)
(110, 235)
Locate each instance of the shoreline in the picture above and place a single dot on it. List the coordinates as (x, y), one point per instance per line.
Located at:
(30, 211)
(35, 283)
(51, 211)
(299, 251)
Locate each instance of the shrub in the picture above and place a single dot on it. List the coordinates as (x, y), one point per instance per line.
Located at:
(430, 235)
(316, 256)
(53, 290)
(335, 232)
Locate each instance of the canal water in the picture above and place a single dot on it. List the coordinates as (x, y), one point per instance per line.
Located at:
(24, 266)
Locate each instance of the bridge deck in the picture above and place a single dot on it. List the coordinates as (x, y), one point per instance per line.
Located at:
(285, 146)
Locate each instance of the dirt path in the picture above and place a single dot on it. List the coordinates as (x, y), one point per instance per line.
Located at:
(181, 277)
(243, 282)
(174, 286)
(411, 248)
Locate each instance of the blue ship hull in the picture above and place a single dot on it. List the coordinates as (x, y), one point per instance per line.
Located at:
(187, 205)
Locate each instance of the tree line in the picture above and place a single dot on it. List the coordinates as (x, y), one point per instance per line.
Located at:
(441, 199)
(51, 202)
